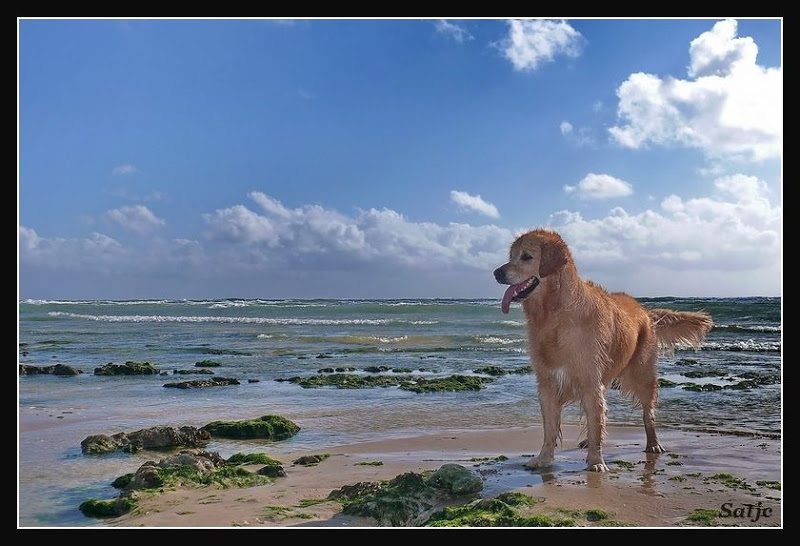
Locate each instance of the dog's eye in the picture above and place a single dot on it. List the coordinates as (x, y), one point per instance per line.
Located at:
(526, 257)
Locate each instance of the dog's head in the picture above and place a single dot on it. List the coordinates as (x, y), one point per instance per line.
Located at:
(533, 256)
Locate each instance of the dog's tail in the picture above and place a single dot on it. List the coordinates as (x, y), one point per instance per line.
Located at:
(680, 327)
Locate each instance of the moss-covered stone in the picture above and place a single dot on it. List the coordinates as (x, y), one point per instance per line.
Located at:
(159, 437)
(207, 364)
(408, 498)
(344, 381)
(94, 508)
(666, 383)
(769, 484)
(695, 374)
(192, 372)
(498, 371)
(233, 352)
(56, 369)
(376, 369)
(272, 471)
(453, 383)
(122, 481)
(203, 383)
(311, 460)
(270, 427)
(402, 370)
(252, 458)
(505, 510)
(129, 368)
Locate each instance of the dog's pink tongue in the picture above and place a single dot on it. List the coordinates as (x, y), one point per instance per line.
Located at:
(511, 291)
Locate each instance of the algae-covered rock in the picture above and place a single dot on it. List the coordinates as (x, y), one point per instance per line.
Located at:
(55, 369)
(451, 383)
(94, 508)
(129, 368)
(505, 510)
(205, 371)
(270, 427)
(160, 437)
(311, 460)
(253, 458)
(497, 371)
(344, 381)
(203, 383)
(207, 364)
(406, 499)
(272, 471)
(455, 479)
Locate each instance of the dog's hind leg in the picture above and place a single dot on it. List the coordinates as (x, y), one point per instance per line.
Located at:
(640, 379)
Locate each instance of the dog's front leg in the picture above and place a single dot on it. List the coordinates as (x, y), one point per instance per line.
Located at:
(550, 403)
(594, 404)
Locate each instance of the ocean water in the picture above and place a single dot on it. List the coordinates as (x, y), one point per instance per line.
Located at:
(271, 339)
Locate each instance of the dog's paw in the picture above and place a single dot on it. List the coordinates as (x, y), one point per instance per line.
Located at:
(598, 467)
(583, 444)
(539, 462)
(655, 448)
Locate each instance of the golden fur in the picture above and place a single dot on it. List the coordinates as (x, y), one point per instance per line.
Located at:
(583, 338)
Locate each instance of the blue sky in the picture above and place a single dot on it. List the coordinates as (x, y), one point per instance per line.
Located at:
(396, 158)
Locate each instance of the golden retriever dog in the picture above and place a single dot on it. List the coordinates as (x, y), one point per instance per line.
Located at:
(582, 339)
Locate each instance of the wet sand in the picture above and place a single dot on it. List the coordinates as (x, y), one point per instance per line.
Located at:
(646, 490)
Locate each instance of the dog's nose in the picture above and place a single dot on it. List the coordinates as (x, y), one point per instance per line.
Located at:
(500, 275)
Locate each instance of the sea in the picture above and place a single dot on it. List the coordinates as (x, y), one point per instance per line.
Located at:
(260, 340)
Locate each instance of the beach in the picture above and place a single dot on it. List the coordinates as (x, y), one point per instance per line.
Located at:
(649, 492)
(719, 413)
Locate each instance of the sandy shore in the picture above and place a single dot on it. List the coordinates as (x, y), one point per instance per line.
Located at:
(654, 490)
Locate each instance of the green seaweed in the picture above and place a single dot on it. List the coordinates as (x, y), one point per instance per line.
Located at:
(253, 458)
(595, 514)
(453, 383)
(123, 481)
(369, 463)
(270, 427)
(624, 464)
(695, 374)
(94, 508)
(703, 516)
(666, 383)
(344, 381)
(770, 484)
(499, 458)
(677, 478)
(305, 503)
(500, 511)
(729, 480)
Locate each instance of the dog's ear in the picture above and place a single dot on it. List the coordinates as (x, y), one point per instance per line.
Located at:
(554, 257)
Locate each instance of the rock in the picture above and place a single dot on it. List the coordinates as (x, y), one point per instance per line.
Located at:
(191, 372)
(324, 355)
(160, 437)
(326, 370)
(311, 460)
(270, 427)
(376, 369)
(455, 479)
(497, 371)
(207, 364)
(254, 381)
(450, 383)
(202, 383)
(408, 499)
(272, 471)
(253, 458)
(129, 368)
(94, 508)
(55, 369)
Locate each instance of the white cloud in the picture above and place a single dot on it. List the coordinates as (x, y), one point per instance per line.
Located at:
(599, 186)
(565, 127)
(583, 136)
(453, 31)
(531, 42)
(735, 230)
(474, 203)
(124, 170)
(731, 108)
(137, 218)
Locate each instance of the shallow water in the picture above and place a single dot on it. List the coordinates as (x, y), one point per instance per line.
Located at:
(269, 339)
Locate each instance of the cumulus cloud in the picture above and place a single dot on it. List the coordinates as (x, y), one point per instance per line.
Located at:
(730, 107)
(137, 219)
(314, 235)
(531, 42)
(735, 229)
(599, 186)
(565, 128)
(453, 31)
(124, 170)
(474, 203)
